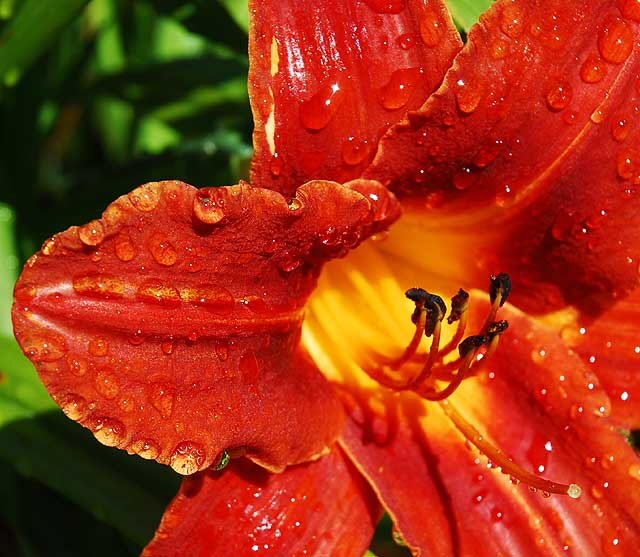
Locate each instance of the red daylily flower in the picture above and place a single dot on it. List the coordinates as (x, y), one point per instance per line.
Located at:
(173, 327)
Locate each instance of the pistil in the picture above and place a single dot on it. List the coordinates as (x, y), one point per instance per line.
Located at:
(427, 317)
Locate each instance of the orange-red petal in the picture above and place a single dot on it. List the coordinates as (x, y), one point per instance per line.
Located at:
(320, 508)
(327, 78)
(610, 348)
(539, 404)
(170, 327)
(533, 136)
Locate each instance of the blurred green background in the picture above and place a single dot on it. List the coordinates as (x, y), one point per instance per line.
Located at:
(97, 97)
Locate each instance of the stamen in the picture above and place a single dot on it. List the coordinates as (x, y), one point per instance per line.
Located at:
(493, 335)
(468, 350)
(499, 290)
(459, 306)
(497, 457)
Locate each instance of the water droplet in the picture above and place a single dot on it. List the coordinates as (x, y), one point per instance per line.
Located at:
(77, 366)
(124, 248)
(499, 49)
(214, 298)
(615, 40)
(98, 346)
(316, 112)
(162, 249)
(468, 95)
(75, 407)
(538, 453)
(146, 197)
(559, 96)
(512, 20)
(108, 431)
(497, 515)
(630, 9)
(431, 28)
(406, 41)
(209, 205)
(479, 497)
(386, 6)
(92, 233)
(593, 69)
(626, 163)
(620, 129)
(397, 92)
(187, 458)
(106, 384)
(145, 448)
(158, 292)
(487, 153)
(99, 286)
(42, 347)
(634, 471)
(569, 117)
(162, 398)
(355, 151)
(49, 246)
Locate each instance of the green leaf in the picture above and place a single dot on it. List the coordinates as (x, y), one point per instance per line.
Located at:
(30, 33)
(8, 266)
(466, 12)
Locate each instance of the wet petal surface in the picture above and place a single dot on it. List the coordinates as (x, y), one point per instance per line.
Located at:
(320, 508)
(530, 144)
(170, 327)
(327, 78)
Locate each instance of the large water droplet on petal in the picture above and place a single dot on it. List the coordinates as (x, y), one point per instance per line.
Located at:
(124, 248)
(108, 431)
(615, 40)
(592, 69)
(146, 197)
(397, 92)
(431, 28)
(92, 233)
(99, 286)
(316, 112)
(559, 96)
(106, 384)
(145, 448)
(512, 20)
(162, 397)
(159, 292)
(75, 407)
(187, 458)
(162, 249)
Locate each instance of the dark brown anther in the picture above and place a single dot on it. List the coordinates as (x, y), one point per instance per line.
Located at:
(436, 310)
(497, 328)
(471, 343)
(459, 304)
(499, 286)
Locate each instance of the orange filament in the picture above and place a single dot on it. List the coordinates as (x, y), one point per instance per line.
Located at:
(498, 458)
(434, 369)
(413, 345)
(457, 337)
(433, 356)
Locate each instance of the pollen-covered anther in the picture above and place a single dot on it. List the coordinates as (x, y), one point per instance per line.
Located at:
(499, 290)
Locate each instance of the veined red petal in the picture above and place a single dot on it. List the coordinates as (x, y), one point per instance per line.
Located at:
(610, 348)
(170, 327)
(538, 404)
(327, 78)
(530, 143)
(320, 508)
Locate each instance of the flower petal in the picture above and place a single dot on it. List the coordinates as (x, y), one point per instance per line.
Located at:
(542, 408)
(327, 78)
(170, 327)
(320, 508)
(610, 348)
(528, 149)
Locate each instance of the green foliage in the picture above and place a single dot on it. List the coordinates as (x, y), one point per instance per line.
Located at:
(466, 12)
(97, 97)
